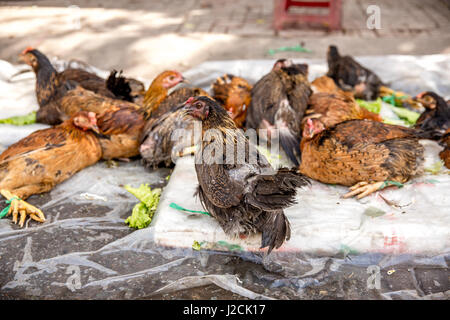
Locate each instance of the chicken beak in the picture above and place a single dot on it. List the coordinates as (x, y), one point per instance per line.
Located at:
(95, 128)
(183, 79)
(21, 58)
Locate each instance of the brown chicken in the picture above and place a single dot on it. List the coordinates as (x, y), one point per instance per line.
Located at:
(351, 76)
(331, 105)
(327, 85)
(120, 122)
(159, 91)
(234, 93)
(445, 154)
(45, 158)
(51, 85)
(246, 196)
(159, 143)
(278, 103)
(435, 120)
(363, 154)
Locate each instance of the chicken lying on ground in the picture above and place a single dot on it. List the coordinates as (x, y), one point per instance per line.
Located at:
(363, 154)
(45, 158)
(279, 101)
(245, 196)
(116, 86)
(128, 89)
(445, 154)
(435, 120)
(166, 136)
(330, 105)
(120, 122)
(234, 93)
(363, 83)
(349, 75)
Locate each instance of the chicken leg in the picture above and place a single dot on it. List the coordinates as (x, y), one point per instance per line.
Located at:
(363, 188)
(18, 206)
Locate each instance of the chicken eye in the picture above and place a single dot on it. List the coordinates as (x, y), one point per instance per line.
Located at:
(198, 105)
(171, 78)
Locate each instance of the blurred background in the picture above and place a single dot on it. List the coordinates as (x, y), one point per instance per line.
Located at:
(146, 37)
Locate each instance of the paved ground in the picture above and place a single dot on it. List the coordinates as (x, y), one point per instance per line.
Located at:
(146, 37)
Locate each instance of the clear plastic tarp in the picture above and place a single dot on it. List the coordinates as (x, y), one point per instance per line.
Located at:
(392, 245)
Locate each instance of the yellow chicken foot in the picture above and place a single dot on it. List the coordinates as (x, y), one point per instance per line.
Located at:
(187, 151)
(363, 189)
(18, 206)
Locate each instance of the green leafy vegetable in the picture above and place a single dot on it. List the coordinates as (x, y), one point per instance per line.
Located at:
(435, 167)
(397, 122)
(142, 213)
(297, 48)
(409, 116)
(372, 106)
(196, 245)
(21, 120)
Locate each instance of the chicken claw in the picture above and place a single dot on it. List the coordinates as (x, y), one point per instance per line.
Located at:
(363, 189)
(187, 151)
(18, 206)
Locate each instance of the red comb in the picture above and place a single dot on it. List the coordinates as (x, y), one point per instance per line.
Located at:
(28, 49)
(190, 100)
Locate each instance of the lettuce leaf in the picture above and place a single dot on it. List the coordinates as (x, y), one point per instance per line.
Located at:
(142, 213)
(20, 120)
(372, 106)
(140, 217)
(409, 116)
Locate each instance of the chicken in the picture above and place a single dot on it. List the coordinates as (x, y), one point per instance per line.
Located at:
(351, 76)
(159, 91)
(165, 136)
(45, 158)
(435, 120)
(363, 154)
(327, 85)
(234, 93)
(127, 89)
(120, 122)
(279, 101)
(445, 154)
(245, 195)
(334, 106)
(50, 84)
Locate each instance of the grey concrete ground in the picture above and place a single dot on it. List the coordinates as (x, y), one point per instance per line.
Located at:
(145, 37)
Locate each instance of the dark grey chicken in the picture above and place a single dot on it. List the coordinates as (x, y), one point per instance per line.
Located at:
(246, 196)
(158, 144)
(279, 101)
(435, 120)
(349, 75)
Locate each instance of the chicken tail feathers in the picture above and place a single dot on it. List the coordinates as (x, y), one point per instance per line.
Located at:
(291, 145)
(276, 192)
(118, 85)
(275, 231)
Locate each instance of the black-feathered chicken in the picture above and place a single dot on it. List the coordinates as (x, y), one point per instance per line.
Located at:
(279, 101)
(241, 191)
(435, 120)
(351, 76)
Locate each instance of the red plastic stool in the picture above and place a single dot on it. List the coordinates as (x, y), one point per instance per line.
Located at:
(281, 17)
